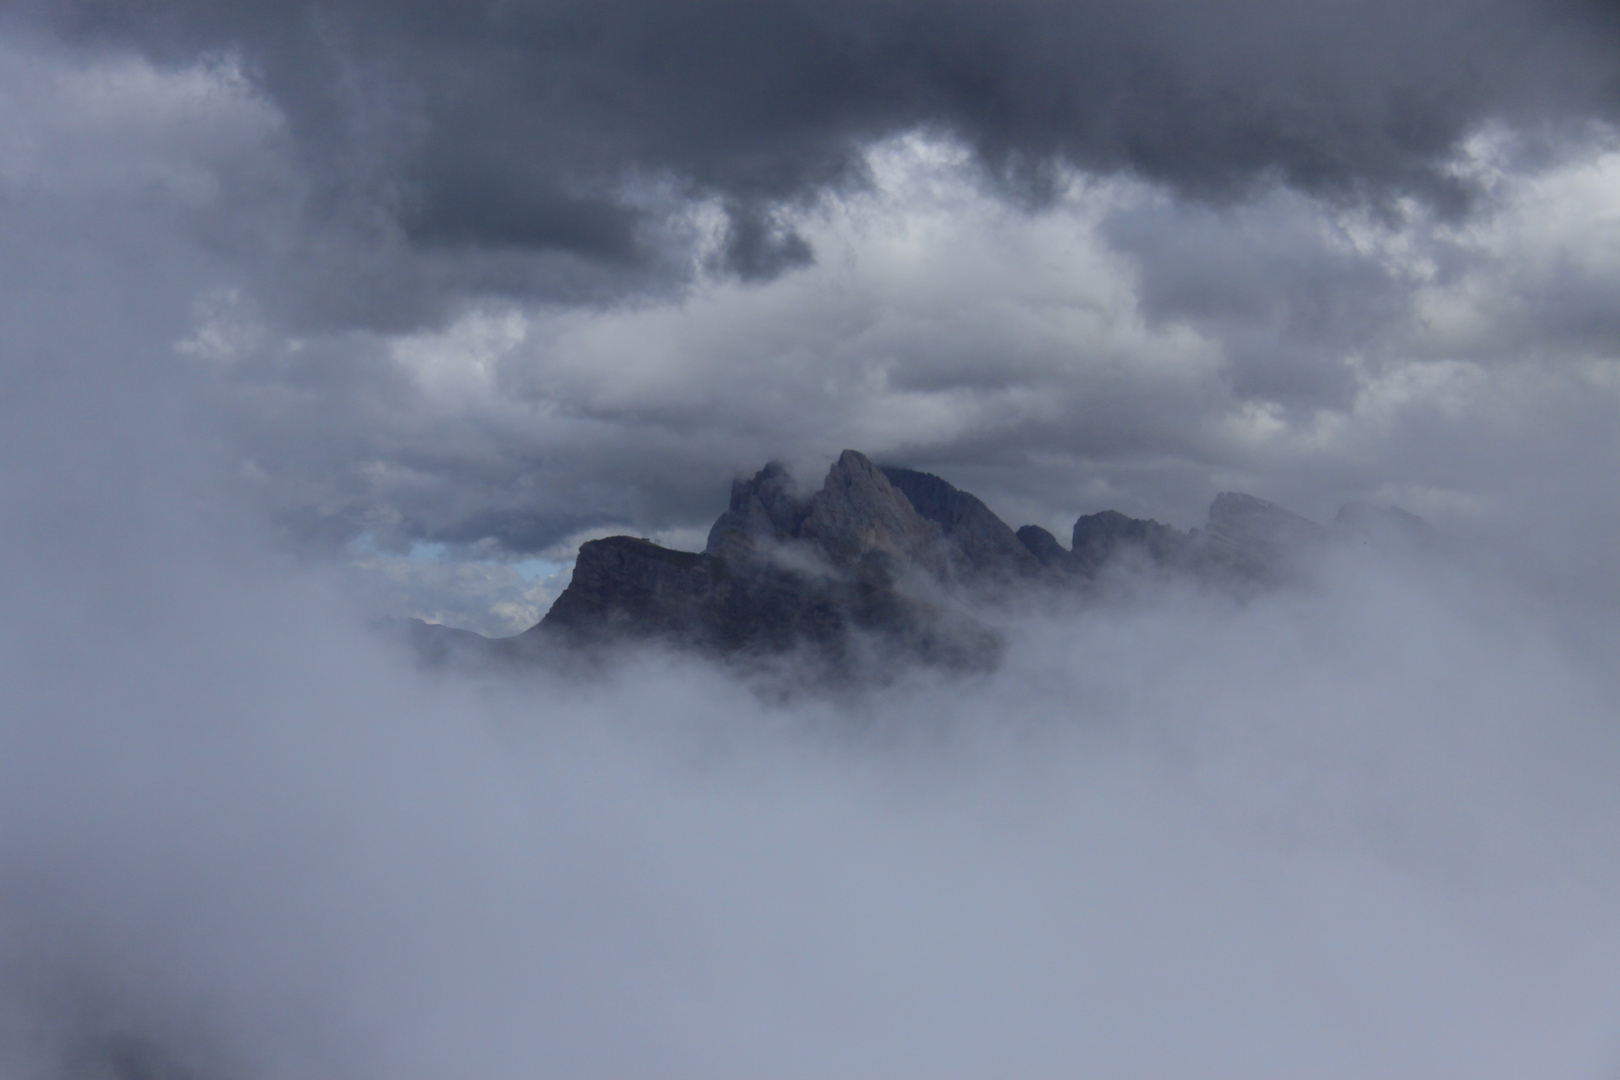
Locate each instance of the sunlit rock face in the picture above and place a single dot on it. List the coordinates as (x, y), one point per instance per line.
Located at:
(881, 567)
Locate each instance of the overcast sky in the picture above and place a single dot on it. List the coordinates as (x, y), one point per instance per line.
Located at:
(475, 280)
(315, 312)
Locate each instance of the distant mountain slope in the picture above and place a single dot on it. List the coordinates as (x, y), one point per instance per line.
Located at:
(883, 567)
(985, 546)
(851, 574)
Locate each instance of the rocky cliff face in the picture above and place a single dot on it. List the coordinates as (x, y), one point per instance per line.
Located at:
(1247, 542)
(1105, 537)
(1257, 539)
(1045, 549)
(983, 546)
(859, 518)
(886, 565)
(764, 512)
(851, 576)
(625, 587)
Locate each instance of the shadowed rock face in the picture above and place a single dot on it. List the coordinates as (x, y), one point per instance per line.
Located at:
(858, 514)
(726, 607)
(981, 540)
(879, 567)
(1101, 538)
(1045, 548)
(764, 511)
(1247, 542)
(623, 586)
(846, 575)
(1254, 539)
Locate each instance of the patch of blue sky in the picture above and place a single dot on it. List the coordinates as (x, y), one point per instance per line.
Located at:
(427, 551)
(537, 569)
(363, 545)
(424, 551)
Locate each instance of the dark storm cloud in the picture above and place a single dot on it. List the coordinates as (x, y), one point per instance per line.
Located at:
(757, 248)
(538, 126)
(349, 198)
(1359, 830)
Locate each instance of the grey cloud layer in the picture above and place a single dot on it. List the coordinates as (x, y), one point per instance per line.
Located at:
(580, 129)
(1117, 349)
(1181, 837)
(374, 380)
(1360, 830)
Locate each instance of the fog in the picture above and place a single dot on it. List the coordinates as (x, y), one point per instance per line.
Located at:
(1364, 826)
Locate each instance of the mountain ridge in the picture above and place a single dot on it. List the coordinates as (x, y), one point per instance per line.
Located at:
(885, 566)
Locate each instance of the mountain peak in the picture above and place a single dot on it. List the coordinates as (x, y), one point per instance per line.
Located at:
(858, 515)
(765, 511)
(983, 541)
(884, 564)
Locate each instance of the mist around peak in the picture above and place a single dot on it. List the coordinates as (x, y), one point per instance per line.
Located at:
(258, 322)
(1361, 828)
(883, 569)
(1357, 829)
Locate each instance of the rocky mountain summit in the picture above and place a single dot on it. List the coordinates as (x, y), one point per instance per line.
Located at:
(840, 574)
(883, 564)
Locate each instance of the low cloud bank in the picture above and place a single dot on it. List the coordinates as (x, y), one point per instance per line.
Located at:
(1359, 829)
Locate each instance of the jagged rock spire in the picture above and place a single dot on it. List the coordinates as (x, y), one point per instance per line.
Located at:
(844, 574)
(1106, 535)
(858, 513)
(764, 511)
(989, 547)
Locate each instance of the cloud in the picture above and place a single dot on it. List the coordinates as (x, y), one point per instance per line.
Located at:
(1117, 347)
(1359, 830)
(492, 598)
(554, 149)
(1364, 829)
(758, 249)
(1155, 351)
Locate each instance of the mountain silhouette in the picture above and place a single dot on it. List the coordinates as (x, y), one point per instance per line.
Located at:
(885, 567)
